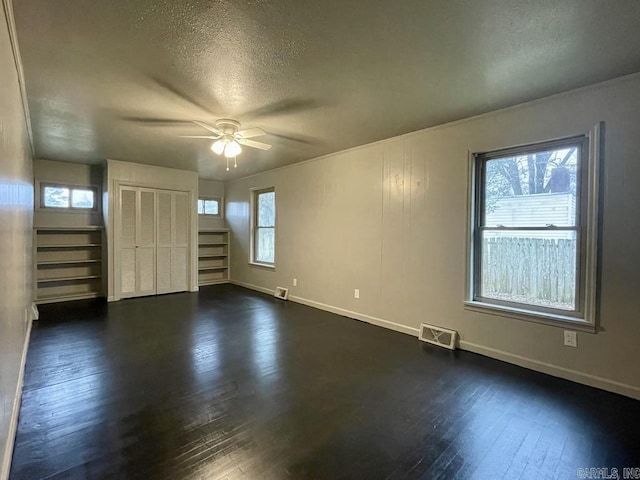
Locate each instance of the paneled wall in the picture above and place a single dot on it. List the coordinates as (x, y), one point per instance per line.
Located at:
(390, 219)
(16, 220)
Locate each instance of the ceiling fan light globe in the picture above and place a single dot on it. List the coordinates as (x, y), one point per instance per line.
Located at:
(218, 147)
(232, 149)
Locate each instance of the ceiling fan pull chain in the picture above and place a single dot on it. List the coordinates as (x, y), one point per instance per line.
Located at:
(235, 162)
(227, 164)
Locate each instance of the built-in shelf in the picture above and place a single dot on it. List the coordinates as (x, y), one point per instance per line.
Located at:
(68, 263)
(66, 298)
(70, 245)
(67, 279)
(213, 250)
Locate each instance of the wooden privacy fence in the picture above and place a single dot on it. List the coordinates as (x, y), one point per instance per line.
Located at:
(542, 270)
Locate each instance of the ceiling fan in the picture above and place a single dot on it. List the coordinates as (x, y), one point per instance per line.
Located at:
(228, 138)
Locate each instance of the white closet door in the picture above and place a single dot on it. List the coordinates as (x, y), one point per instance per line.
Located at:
(153, 242)
(137, 242)
(146, 251)
(165, 241)
(180, 254)
(127, 241)
(173, 241)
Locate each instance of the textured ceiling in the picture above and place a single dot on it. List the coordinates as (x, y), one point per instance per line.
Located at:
(118, 79)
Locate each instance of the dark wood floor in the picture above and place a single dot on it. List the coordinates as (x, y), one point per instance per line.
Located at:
(233, 384)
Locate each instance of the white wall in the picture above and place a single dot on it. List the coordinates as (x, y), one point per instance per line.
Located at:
(48, 171)
(211, 188)
(16, 218)
(127, 173)
(390, 219)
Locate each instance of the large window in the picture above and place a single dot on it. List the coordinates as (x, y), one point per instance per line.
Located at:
(67, 197)
(209, 206)
(264, 227)
(534, 223)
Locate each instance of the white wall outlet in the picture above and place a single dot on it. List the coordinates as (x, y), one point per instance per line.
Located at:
(356, 293)
(570, 338)
(295, 282)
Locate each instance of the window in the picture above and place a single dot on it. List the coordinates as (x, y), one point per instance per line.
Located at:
(264, 227)
(67, 197)
(534, 226)
(209, 206)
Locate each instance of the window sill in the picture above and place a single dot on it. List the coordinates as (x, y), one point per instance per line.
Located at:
(551, 319)
(266, 266)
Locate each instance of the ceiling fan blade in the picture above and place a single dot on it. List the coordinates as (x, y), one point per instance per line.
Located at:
(251, 132)
(151, 121)
(208, 127)
(210, 137)
(254, 144)
(284, 107)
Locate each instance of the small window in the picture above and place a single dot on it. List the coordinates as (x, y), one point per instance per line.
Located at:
(209, 206)
(534, 237)
(264, 227)
(66, 197)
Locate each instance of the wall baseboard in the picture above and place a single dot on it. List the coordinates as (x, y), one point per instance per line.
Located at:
(13, 426)
(251, 286)
(554, 370)
(380, 322)
(530, 363)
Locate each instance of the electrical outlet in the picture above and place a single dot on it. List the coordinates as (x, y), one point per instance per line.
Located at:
(295, 282)
(570, 338)
(356, 293)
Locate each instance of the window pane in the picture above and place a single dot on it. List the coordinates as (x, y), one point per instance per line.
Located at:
(532, 190)
(200, 206)
(82, 198)
(57, 197)
(211, 207)
(534, 268)
(266, 209)
(265, 245)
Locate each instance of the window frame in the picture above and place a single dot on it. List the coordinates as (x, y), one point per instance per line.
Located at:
(214, 215)
(70, 208)
(255, 193)
(587, 226)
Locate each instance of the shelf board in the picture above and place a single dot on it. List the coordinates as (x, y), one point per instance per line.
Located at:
(67, 262)
(67, 245)
(64, 298)
(212, 282)
(219, 267)
(67, 279)
(218, 255)
(216, 244)
(94, 228)
(213, 230)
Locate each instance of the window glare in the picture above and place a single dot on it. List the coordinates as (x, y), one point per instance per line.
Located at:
(56, 197)
(208, 206)
(82, 198)
(211, 207)
(527, 243)
(517, 189)
(264, 224)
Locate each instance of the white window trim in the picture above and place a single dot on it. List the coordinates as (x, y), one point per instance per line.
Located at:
(220, 207)
(39, 200)
(591, 195)
(252, 230)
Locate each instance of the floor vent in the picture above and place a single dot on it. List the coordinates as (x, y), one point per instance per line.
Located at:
(282, 293)
(442, 337)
